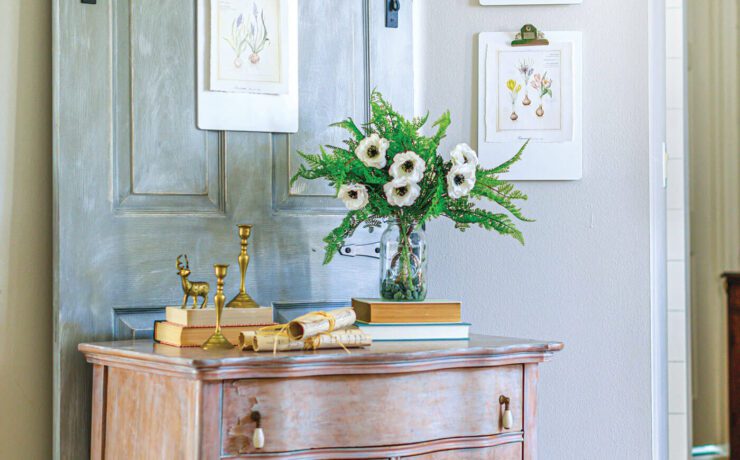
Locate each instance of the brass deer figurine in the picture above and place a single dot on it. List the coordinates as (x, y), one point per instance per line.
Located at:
(191, 288)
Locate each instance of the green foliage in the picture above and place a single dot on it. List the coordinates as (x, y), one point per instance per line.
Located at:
(341, 166)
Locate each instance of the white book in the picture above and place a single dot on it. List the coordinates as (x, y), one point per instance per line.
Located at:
(415, 331)
(206, 317)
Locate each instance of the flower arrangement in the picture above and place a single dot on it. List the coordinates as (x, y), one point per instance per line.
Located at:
(389, 172)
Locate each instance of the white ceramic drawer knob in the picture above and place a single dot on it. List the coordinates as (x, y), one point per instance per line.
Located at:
(258, 437)
(507, 419)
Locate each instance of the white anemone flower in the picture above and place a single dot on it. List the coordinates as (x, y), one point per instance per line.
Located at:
(409, 165)
(401, 192)
(371, 151)
(460, 180)
(354, 196)
(462, 154)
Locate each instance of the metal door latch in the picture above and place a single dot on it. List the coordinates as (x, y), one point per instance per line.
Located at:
(391, 13)
(371, 250)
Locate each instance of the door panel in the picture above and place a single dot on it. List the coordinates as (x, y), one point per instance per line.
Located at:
(136, 183)
(163, 162)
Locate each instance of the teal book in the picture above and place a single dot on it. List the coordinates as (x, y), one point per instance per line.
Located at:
(382, 332)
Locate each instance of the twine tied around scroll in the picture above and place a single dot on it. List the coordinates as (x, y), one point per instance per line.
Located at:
(312, 343)
(307, 331)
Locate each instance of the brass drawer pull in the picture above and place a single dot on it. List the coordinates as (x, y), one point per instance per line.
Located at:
(507, 420)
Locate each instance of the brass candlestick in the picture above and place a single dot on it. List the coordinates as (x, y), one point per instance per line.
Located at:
(243, 300)
(217, 341)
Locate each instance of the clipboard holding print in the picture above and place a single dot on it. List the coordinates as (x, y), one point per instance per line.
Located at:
(531, 92)
(261, 100)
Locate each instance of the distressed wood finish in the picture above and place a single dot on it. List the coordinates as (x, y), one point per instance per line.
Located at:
(426, 400)
(504, 452)
(149, 416)
(341, 411)
(531, 375)
(99, 409)
(136, 184)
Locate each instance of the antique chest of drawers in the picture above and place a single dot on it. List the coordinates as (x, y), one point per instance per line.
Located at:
(417, 400)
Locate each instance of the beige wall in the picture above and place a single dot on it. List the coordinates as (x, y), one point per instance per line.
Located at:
(714, 189)
(25, 229)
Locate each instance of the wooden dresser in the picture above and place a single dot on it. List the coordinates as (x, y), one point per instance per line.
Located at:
(418, 400)
(732, 281)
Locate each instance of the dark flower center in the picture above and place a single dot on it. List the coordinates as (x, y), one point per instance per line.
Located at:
(407, 166)
(401, 191)
(459, 179)
(372, 152)
(353, 194)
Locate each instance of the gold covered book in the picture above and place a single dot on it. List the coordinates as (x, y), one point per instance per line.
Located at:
(388, 311)
(178, 335)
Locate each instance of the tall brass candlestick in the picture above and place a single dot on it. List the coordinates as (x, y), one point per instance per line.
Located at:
(217, 341)
(243, 300)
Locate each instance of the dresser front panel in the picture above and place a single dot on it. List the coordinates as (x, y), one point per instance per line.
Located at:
(369, 410)
(505, 452)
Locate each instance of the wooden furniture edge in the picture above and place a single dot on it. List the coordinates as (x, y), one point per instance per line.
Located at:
(252, 366)
(401, 450)
(99, 410)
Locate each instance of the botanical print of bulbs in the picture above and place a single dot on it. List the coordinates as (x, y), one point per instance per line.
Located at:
(248, 33)
(539, 82)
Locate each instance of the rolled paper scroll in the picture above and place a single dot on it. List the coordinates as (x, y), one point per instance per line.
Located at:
(314, 323)
(347, 338)
(246, 339)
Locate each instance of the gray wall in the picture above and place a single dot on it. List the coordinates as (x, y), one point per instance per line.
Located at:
(583, 276)
(25, 229)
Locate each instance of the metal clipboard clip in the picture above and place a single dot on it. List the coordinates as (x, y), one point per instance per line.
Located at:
(528, 35)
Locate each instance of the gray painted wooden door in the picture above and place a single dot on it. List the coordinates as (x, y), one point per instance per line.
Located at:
(136, 183)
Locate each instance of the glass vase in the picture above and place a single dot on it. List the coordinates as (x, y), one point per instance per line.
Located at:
(403, 262)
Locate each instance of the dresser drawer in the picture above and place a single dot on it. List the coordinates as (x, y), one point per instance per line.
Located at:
(369, 410)
(505, 452)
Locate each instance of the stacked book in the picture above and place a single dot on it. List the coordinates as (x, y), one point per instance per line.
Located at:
(192, 327)
(386, 320)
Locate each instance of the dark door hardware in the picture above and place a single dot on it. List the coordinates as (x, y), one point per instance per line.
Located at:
(391, 13)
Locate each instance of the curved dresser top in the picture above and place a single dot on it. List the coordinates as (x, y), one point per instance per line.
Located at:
(381, 357)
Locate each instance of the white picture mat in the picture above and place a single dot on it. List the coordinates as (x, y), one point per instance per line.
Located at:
(245, 111)
(556, 123)
(541, 160)
(529, 2)
(269, 75)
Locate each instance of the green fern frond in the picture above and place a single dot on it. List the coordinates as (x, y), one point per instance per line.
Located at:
(504, 167)
(350, 125)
